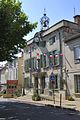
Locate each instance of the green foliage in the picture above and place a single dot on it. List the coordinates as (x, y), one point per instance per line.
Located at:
(36, 97)
(1, 93)
(14, 25)
(70, 98)
(17, 93)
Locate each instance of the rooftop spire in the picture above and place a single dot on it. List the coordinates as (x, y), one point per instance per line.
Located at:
(44, 11)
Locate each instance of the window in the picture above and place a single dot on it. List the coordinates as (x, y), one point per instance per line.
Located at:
(42, 43)
(26, 50)
(14, 63)
(26, 82)
(33, 63)
(33, 47)
(55, 57)
(52, 40)
(77, 83)
(42, 61)
(54, 60)
(27, 65)
(50, 56)
(77, 53)
(10, 64)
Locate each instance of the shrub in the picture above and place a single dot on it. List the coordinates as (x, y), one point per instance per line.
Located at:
(17, 93)
(36, 97)
(70, 98)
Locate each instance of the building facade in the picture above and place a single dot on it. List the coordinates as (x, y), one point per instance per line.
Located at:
(9, 77)
(47, 53)
(72, 64)
(21, 73)
(3, 78)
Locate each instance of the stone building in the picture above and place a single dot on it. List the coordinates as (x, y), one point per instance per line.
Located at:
(54, 51)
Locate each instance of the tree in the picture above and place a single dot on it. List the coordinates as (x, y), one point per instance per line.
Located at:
(14, 25)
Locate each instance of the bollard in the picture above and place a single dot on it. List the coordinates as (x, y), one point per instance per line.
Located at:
(60, 100)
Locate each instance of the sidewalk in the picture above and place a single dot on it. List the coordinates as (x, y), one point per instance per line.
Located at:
(75, 105)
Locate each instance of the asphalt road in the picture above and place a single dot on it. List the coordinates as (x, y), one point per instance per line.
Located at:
(22, 111)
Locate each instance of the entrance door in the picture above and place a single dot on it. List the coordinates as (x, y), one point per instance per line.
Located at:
(42, 84)
(36, 84)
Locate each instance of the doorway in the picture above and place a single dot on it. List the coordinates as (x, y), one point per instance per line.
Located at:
(42, 84)
(36, 84)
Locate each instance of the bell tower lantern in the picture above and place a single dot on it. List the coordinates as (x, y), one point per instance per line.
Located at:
(44, 21)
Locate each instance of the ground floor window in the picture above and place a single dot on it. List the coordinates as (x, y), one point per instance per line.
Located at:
(26, 82)
(77, 83)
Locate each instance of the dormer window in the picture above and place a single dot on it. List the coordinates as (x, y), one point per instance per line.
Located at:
(52, 40)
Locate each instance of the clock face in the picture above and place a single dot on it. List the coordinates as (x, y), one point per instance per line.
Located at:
(36, 39)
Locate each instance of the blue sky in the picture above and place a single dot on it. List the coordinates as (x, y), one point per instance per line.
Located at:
(56, 10)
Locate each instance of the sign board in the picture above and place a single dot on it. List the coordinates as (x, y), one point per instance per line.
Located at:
(52, 77)
(12, 82)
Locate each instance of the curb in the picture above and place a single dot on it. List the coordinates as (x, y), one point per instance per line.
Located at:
(71, 109)
(49, 105)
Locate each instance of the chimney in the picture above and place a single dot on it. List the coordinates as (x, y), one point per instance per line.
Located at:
(77, 19)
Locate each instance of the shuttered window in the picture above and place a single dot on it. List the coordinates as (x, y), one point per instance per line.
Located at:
(44, 60)
(77, 53)
(33, 63)
(27, 65)
(50, 56)
(56, 57)
(77, 83)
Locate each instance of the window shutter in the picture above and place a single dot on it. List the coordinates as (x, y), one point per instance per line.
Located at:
(47, 60)
(32, 63)
(50, 59)
(35, 60)
(41, 60)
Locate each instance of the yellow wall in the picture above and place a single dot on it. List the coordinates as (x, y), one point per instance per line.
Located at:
(20, 72)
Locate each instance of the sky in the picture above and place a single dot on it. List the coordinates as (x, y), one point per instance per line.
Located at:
(56, 10)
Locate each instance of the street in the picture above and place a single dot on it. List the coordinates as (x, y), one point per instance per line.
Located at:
(23, 111)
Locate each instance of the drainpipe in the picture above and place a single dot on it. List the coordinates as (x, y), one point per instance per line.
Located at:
(61, 63)
(30, 66)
